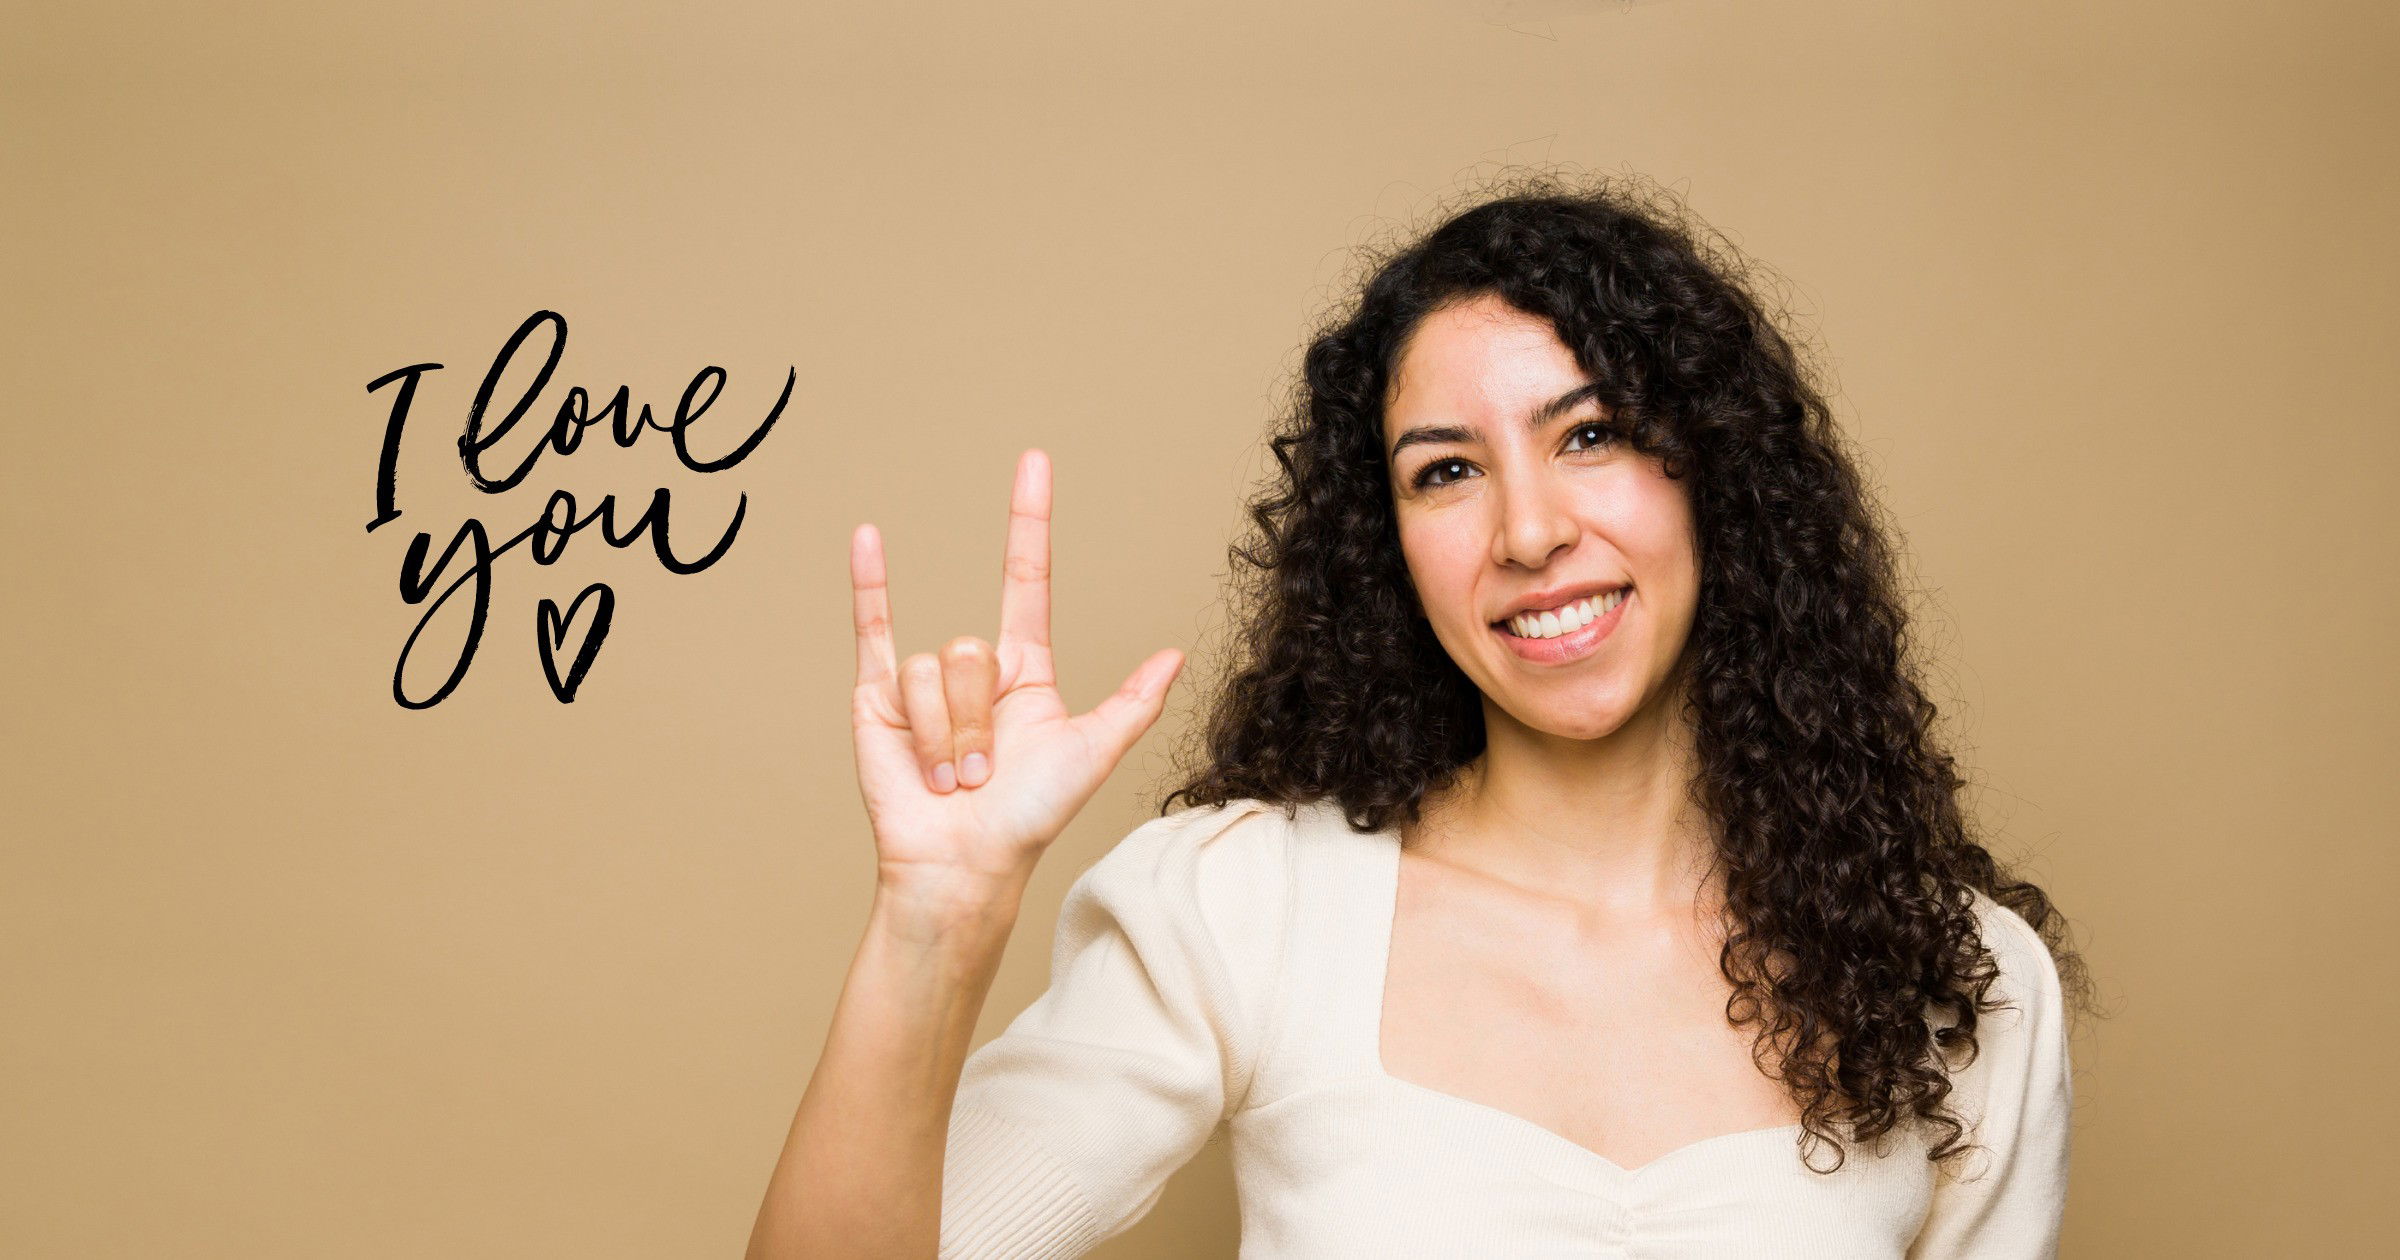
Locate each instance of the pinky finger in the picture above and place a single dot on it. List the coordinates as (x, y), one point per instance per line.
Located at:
(871, 607)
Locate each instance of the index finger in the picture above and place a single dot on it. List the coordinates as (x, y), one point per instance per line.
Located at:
(1025, 569)
(870, 606)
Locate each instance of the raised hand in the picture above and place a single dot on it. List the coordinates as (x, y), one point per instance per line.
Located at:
(968, 759)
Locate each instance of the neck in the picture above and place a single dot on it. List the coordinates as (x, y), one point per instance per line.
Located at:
(1607, 823)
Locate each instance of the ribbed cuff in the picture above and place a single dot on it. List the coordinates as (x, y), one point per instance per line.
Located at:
(1005, 1198)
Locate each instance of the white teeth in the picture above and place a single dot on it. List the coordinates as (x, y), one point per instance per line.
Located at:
(1572, 617)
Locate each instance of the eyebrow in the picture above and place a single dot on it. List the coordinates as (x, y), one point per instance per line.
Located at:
(1427, 434)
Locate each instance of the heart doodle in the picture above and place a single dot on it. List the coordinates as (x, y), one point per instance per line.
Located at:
(550, 632)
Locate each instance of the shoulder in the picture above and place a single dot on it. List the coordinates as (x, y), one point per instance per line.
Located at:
(2017, 1092)
(2022, 1037)
(1202, 900)
(1218, 858)
(2028, 976)
(1221, 872)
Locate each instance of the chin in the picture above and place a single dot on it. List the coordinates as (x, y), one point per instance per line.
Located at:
(1596, 720)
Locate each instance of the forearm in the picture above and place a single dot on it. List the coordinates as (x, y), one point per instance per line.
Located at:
(860, 1173)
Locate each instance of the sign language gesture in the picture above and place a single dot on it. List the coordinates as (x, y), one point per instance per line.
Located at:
(969, 761)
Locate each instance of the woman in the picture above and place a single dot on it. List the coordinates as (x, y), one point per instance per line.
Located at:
(1571, 868)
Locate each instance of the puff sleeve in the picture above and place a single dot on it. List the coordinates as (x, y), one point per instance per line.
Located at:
(1067, 1125)
(2007, 1201)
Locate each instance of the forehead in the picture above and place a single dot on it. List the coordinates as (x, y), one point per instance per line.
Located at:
(1478, 359)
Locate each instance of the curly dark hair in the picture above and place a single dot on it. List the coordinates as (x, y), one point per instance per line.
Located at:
(1846, 858)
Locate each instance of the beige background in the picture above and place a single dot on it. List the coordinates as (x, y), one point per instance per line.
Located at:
(289, 971)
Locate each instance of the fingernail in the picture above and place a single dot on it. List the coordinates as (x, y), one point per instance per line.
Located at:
(944, 777)
(974, 770)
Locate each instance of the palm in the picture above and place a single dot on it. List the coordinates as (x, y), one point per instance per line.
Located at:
(1046, 763)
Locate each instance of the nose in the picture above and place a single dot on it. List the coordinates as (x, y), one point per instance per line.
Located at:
(1534, 523)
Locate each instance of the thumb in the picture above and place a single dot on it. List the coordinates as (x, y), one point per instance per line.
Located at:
(1116, 722)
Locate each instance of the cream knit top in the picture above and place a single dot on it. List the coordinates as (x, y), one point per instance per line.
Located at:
(1225, 964)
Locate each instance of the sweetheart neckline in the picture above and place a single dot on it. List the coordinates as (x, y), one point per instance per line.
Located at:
(1528, 1127)
(1548, 1136)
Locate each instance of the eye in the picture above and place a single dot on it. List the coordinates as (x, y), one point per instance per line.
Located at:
(1424, 475)
(1607, 434)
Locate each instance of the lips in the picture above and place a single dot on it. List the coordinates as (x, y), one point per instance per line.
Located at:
(1575, 645)
(1556, 598)
(1565, 619)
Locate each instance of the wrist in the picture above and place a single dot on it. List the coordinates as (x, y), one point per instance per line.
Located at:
(934, 906)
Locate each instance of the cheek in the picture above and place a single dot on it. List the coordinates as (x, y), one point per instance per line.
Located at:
(1442, 564)
(1652, 521)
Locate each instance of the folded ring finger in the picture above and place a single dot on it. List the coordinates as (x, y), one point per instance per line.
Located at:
(928, 719)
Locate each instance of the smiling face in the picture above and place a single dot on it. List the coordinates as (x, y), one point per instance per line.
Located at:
(1510, 494)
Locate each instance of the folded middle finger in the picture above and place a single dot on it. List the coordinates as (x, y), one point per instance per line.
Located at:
(970, 679)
